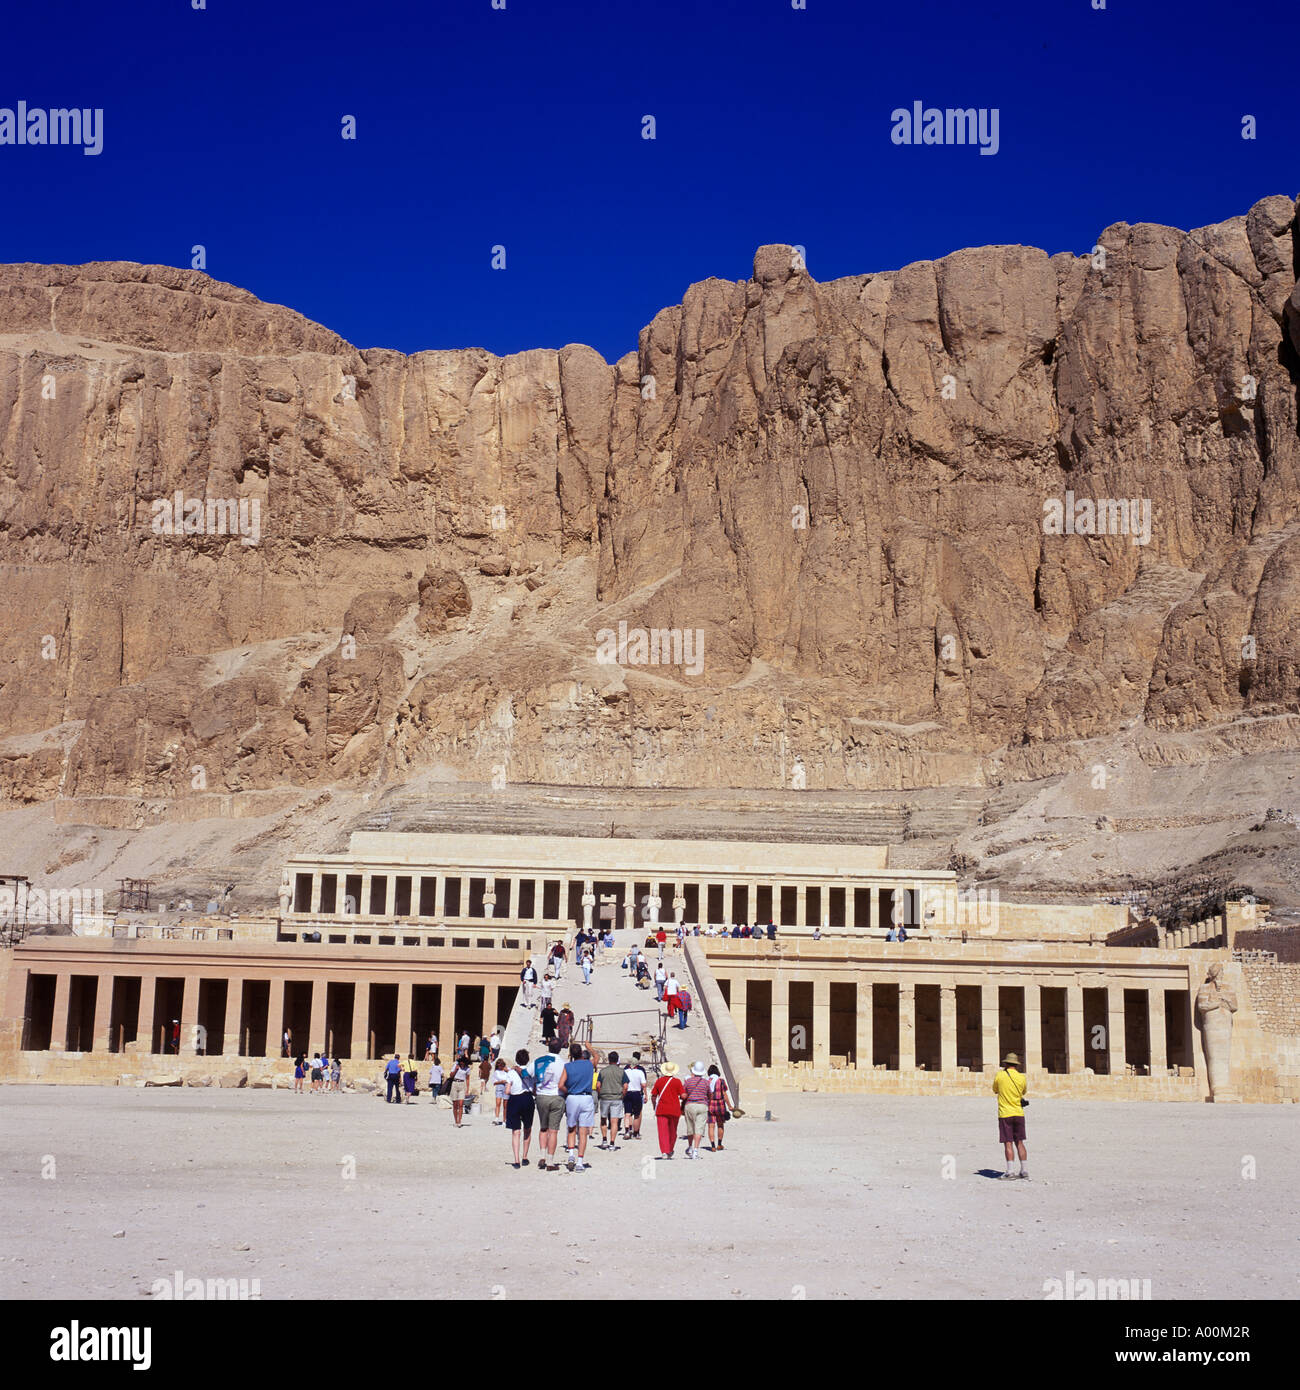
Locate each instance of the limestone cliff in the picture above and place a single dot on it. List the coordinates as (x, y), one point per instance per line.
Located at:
(840, 487)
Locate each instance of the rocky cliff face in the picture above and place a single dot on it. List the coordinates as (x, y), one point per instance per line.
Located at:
(838, 497)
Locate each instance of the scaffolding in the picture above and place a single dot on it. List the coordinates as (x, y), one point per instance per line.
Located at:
(133, 893)
(13, 908)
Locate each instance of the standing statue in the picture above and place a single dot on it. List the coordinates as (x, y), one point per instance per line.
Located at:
(679, 908)
(489, 902)
(655, 903)
(588, 902)
(1215, 1005)
(285, 894)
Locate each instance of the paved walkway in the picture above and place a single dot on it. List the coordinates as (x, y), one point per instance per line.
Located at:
(624, 1017)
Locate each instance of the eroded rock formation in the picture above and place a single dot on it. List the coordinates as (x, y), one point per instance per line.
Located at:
(840, 486)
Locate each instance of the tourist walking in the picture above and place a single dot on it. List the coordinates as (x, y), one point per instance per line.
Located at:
(634, 1096)
(671, 991)
(286, 1043)
(299, 1073)
(528, 984)
(316, 1072)
(666, 1096)
(459, 1089)
(432, 1047)
(435, 1078)
(661, 979)
(719, 1108)
(408, 1080)
(550, 1108)
(564, 1026)
(696, 1107)
(579, 1107)
(520, 1107)
(501, 1083)
(336, 1074)
(393, 1077)
(546, 991)
(612, 1087)
(1010, 1085)
(557, 959)
(549, 1021)
(684, 1004)
(586, 963)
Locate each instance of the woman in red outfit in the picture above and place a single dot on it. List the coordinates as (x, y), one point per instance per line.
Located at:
(666, 1096)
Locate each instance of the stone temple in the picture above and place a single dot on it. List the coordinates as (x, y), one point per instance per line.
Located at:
(409, 933)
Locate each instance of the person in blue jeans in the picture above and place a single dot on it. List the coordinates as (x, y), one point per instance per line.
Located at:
(393, 1076)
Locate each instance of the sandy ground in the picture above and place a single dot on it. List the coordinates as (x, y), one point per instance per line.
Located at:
(838, 1197)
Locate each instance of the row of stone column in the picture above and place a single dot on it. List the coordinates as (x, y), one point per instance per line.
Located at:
(189, 1010)
(1113, 1043)
(664, 898)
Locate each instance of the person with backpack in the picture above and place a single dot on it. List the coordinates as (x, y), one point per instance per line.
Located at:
(393, 1077)
(671, 991)
(579, 1107)
(550, 1108)
(666, 1096)
(612, 1086)
(634, 1095)
(661, 979)
(719, 1108)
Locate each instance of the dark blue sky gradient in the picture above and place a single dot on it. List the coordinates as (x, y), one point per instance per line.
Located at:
(523, 127)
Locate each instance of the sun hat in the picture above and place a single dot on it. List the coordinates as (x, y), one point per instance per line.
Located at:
(697, 1069)
(669, 1069)
(1011, 1057)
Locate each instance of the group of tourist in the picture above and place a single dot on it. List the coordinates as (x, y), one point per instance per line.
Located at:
(322, 1072)
(575, 1088)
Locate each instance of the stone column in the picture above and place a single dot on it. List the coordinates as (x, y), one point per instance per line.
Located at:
(144, 1013)
(490, 1020)
(447, 1022)
(59, 1021)
(275, 1019)
(1074, 1039)
(1033, 1058)
(873, 912)
(363, 903)
(629, 905)
(1115, 1030)
(865, 1012)
(948, 1028)
(850, 907)
(361, 1022)
(317, 1025)
(403, 1039)
(102, 1038)
(1156, 1025)
(314, 902)
(738, 1006)
(780, 1022)
(821, 1038)
(190, 1039)
(440, 895)
(989, 1058)
(801, 905)
(906, 1027)
(751, 909)
(514, 912)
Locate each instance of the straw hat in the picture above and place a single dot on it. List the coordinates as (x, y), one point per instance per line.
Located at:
(669, 1069)
(1012, 1059)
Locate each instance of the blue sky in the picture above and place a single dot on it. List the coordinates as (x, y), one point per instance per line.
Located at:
(522, 127)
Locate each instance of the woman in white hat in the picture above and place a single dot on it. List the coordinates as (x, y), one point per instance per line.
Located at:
(696, 1108)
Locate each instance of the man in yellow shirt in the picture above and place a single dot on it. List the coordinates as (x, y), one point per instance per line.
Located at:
(1010, 1085)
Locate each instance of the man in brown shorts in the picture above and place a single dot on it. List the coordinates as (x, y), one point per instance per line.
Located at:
(1010, 1085)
